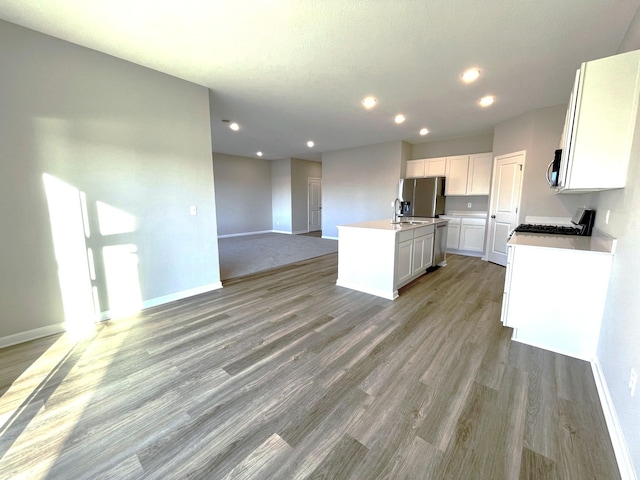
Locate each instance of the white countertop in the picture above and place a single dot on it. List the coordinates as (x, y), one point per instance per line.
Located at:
(598, 242)
(394, 227)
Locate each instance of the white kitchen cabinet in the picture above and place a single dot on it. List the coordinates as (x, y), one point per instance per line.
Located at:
(554, 297)
(453, 233)
(422, 253)
(479, 178)
(435, 167)
(457, 172)
(600, 124)
(426, 167)
(465, 235)
(472, 234)
(415, 168)
(405, 261)
(468, 174)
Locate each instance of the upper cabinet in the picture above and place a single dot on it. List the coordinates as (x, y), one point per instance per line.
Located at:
(415, 168)
(468, 174)
(435, 167)
(600, 125)
(426, 167)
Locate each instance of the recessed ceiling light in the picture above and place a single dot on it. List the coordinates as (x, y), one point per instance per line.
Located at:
(259, 154)
(399, 118)
(310, 144)
(424, 131)
(234, 126)
(486, 101)
(369, 102)
(470, 75)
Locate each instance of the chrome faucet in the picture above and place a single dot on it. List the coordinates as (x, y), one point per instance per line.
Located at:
(396, 208)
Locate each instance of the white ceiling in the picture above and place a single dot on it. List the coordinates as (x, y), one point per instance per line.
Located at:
(289, 71)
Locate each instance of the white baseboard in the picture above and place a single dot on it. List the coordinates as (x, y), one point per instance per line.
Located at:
(281, 231)
(620, 448)
(229, 235)
(329, 237)
(31, 335)
(154, 302)
(106, 315)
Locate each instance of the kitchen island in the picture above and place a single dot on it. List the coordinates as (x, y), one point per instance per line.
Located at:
(379, 257)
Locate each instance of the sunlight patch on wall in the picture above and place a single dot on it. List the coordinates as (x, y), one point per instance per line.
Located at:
(112, 220)
(69, 242)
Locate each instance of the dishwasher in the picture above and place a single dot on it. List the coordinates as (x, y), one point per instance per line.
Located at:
(440, 244)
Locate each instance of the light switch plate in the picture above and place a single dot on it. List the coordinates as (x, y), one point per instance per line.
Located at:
(193, 210)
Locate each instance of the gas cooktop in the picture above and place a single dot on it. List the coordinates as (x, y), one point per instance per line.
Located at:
(548, 229)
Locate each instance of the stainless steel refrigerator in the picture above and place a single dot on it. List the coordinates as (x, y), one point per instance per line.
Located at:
(422, 197)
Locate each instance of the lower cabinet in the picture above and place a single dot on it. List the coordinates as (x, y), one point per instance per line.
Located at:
(414, 253)
(422, 253)
(465, 235)
(404, 261)
(563, 313)
(453, 234)
(472, 234)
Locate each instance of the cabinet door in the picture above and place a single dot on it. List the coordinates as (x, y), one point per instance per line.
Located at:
(405, 254)
(479, 174)
(472, 234)
(457, 172)
(415, 168)
(603, 123)
(422, 253)
(453, 236)
(435, 167)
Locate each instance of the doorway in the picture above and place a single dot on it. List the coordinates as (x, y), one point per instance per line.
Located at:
(504, 203)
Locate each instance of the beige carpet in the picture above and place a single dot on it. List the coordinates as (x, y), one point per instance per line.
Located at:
(241, 256)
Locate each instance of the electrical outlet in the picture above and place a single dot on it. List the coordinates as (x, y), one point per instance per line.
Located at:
(469, 205)
(633, 379)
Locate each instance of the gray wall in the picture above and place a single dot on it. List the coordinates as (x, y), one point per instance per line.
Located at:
(360, 184)
(301, 170)
(453, 146)
(619, 346)
(243, 194)
(134, 139)
(538, 132)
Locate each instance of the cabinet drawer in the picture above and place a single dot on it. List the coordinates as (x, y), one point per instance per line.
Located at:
(404, 235)
(420, 231)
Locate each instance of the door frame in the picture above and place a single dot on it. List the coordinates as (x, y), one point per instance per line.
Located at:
(492, 196)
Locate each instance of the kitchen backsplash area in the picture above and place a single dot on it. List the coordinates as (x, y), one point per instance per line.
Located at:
(479, 203)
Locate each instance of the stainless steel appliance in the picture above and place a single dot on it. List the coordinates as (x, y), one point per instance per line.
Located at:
(440, 243)
(553, 170)
(422, 197)
(583, 221)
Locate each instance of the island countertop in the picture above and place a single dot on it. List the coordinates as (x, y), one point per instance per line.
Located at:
(408, 223)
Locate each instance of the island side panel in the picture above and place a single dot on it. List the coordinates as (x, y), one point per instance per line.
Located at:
(366, 260)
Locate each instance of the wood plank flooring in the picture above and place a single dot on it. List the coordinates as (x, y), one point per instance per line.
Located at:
(284, 375)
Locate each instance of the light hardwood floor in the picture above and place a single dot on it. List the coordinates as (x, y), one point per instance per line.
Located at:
(283, 375)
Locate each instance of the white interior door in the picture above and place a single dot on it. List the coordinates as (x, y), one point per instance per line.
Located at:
(315, 204)
(505, 204)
